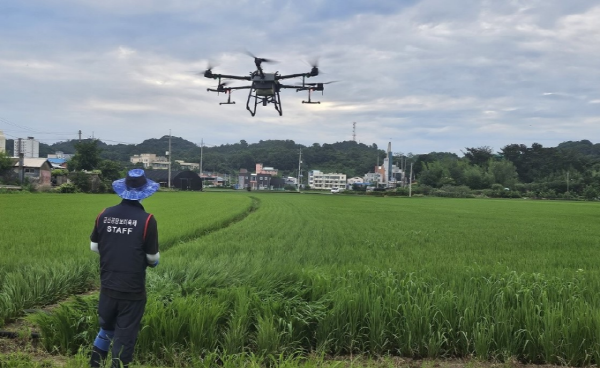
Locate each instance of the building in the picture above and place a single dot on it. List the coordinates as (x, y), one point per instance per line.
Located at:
(188, 165)
(58, 163)
(260, 181)
(291, 181)
(184, 180)
(29, 147)
(391, 174)
(355, 180)
(2, 142)
(320, 180)
(150, 160)
(37, 170)
(244, 179)
(375, 178)
(61, 155)
(260, 169)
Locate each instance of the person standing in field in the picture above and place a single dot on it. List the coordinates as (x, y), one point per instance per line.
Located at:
(126, 237)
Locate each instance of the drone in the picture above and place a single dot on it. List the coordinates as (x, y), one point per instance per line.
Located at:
(265, 87)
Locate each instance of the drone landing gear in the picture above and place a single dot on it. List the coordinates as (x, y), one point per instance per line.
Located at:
(309, 101)
(229, 102)
(264, 100)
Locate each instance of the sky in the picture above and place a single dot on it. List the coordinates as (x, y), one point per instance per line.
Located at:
(428, 75)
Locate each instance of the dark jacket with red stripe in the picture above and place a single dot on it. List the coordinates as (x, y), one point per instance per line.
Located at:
(125, 233)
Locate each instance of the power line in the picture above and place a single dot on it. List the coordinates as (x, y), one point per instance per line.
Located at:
(26, 128)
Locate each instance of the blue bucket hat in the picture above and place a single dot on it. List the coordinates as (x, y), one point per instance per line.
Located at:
(135, 186)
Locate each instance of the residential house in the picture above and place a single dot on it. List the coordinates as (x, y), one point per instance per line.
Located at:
(260, 169)
(37, 170)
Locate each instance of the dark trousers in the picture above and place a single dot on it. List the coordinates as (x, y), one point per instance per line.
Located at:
(123, 317)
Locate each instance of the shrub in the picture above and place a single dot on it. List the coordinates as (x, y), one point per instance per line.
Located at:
(66, 188)
(590, 193)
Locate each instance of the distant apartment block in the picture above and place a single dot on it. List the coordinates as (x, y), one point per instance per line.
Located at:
(30, 148)
(320, 180)
(150, 160)
(188, 165)
(2, 142)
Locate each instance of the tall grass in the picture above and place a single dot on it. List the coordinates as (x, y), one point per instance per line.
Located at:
(411, 277)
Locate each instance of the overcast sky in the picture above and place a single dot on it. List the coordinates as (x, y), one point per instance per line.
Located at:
(430, 75)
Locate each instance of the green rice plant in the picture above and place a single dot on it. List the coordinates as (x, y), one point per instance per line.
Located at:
(237, 334)
(52, 260)
(70, 326)
(418, 277)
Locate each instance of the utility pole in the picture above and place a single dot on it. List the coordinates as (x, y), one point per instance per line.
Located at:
(299, 175)
(567, 181)
(169, 155)
(410, 181)
(21, 163)
(201, 149)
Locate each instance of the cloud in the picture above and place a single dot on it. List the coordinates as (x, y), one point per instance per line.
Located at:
(431, 75)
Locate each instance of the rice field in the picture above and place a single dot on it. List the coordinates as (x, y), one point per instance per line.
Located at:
(44, 239)
(306, 275)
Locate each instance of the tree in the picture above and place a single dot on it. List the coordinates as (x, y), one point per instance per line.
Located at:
(87, 156)
(111, 170)
(6, 163)
(503, 172)
(479, 156)
(7, 175)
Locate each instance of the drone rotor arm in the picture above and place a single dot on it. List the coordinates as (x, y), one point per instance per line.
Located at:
(226, 76)
(307, 75)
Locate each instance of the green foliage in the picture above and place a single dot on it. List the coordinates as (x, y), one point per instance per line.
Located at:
(81, 181)
(480, 156)
(591, 193)
(6, 163)
(58, 172)
(87, 156)
(66, 188)
(110, 170)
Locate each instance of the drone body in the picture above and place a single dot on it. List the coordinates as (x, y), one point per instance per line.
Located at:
(264, 88)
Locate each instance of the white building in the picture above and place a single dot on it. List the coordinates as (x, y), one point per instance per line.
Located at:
(151, 160)
(355, 180)
(188, 165)
(373, 178)
(61, 155)
(320, 180)
(2, 142)
(30, 148)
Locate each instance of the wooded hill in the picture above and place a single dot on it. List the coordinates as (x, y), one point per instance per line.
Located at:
(531, 164)
(349, 157)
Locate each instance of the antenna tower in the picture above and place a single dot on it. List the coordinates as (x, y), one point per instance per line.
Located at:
(354, 131)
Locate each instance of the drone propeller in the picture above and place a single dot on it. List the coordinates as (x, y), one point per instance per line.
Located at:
(259, 60)
(314, 64)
